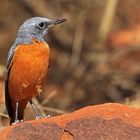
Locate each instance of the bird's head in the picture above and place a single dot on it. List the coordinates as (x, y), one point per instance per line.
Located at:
(36, 27)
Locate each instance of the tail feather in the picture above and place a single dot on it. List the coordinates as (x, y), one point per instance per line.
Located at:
(8, 101)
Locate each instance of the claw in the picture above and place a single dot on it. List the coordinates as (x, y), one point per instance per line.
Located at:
(48, 116)
(15, 122)
(38, 116)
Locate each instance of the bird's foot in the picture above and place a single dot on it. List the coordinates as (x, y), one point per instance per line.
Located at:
(15, 122)
(48, 116)
(38, 116)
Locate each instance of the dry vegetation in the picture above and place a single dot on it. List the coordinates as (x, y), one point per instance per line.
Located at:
(95, 55)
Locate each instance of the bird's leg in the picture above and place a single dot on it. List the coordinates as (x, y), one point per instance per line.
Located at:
(16, 114)
(37, 114)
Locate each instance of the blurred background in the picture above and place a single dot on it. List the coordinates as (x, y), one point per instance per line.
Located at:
(95, 55)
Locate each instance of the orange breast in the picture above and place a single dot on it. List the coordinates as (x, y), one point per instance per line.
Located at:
(28, 71)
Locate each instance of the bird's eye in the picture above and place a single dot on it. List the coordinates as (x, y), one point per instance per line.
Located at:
(42, 25)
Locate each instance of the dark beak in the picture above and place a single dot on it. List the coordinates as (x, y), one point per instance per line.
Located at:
(56, 21)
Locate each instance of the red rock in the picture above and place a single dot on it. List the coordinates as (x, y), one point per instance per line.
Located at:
(110, 121)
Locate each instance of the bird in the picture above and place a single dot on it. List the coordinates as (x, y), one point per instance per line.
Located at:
(27, 66)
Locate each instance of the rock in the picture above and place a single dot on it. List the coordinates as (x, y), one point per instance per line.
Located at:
(110, 121)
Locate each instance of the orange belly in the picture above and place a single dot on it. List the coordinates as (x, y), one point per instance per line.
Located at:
(28, 71)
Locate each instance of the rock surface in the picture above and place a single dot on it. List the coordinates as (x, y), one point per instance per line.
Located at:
(100, 122)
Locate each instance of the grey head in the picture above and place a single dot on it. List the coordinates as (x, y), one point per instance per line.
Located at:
(36, 27)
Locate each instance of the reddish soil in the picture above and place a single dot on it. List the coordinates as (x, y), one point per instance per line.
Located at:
(110, 121)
